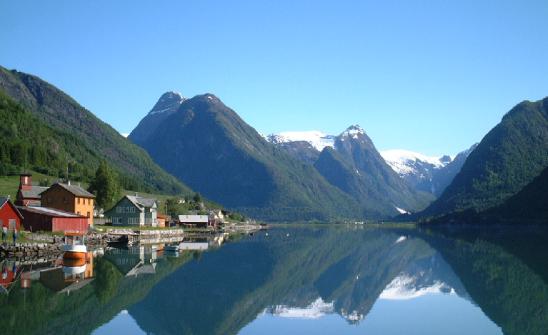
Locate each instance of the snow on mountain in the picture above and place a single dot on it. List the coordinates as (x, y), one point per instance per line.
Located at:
(405, 161)
(405, 287)
(316, 138)
(168, 102)
(353, 131)
(315, 310)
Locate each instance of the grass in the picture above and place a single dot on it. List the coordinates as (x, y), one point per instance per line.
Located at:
(10, 184)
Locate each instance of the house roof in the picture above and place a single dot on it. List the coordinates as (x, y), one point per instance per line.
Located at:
(49, 212)
(141, 202)
(34, 192)
(193, 218)
(75, 190)
(4, 200)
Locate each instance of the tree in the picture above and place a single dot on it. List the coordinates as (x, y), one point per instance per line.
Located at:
(174, 208)
(105, 186)
(197, 198)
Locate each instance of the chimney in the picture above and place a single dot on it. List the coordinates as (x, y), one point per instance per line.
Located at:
(25, 181)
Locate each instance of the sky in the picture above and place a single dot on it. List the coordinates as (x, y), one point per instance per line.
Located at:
(429, 76)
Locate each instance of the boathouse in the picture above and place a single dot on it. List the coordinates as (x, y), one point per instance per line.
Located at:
(194, 220)
(10, 217)
(52, 219)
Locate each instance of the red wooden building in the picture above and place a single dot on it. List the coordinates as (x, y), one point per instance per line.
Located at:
(51, 219)
(10, 217)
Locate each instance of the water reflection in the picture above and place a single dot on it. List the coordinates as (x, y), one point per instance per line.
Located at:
(292, 280)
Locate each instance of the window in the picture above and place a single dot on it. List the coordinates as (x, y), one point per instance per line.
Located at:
(12, 223)
(78, 200)
(88, 214)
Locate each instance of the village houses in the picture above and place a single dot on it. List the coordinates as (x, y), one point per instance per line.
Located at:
(61, 207)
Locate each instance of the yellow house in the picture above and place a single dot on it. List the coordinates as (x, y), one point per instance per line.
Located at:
(69, 198)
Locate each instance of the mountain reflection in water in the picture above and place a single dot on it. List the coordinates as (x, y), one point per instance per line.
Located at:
(323, 279)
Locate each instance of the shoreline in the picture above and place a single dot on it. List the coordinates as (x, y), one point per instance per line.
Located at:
(49, 246)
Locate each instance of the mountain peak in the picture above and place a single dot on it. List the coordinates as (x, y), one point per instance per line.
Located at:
(168, 102)
(353, 131)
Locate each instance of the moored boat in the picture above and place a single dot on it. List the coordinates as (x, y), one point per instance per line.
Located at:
(74, 246)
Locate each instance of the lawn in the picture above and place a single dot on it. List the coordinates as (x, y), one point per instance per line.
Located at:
(10, 184)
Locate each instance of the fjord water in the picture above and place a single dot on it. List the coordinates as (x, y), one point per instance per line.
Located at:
(303, 280)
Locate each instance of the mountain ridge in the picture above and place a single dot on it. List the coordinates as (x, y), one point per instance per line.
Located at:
(96, 139)
(509, 157)
(207, 145)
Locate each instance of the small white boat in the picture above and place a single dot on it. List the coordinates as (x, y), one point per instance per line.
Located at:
(171, 248)
(74, 246)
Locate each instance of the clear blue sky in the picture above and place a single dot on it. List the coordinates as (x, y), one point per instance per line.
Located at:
(430, 76)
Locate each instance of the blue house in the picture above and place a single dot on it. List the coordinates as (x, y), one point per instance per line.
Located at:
(134, 210)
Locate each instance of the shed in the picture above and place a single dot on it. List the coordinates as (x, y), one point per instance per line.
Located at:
(51, 219)
(10, 217)
(194, 220)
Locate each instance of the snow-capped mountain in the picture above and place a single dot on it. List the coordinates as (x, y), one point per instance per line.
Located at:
(424, 173)
(314, 310)
(316, 139)
(405, 287)
(351, 162)
(406, 162)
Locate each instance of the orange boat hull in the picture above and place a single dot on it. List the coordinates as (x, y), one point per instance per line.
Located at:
(70, 255)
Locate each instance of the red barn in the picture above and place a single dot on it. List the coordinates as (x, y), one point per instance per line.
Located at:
(10, 217)
(51, 219)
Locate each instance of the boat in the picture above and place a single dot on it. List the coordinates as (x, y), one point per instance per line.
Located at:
(171, 248)
(74, 246)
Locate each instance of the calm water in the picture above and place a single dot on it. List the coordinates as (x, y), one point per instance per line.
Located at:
(299, 280)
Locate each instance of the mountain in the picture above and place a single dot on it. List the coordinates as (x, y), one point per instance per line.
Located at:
(426, 173)
(441, 178)
(529, 205)
(50, 130)
(168, 104)
(509, 157)
(415, 168)
(355, 166)
(351, 162)
(303, 145)
(209, 147)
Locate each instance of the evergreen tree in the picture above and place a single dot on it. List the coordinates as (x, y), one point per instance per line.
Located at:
(105, 186)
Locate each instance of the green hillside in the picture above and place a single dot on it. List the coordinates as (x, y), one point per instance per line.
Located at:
(507, 159)
(45, 130)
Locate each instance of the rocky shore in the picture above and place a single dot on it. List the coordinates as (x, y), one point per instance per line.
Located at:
(30, 250)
